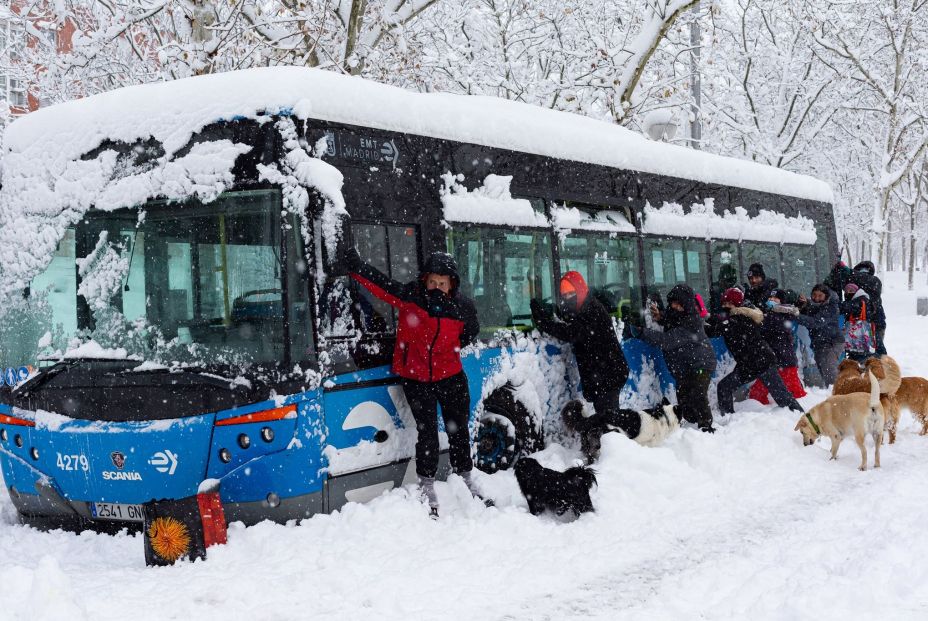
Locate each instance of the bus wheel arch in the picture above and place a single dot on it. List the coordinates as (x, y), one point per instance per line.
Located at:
(506, 429)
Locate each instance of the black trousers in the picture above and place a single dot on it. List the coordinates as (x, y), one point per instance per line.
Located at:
(693, 398)
(453, 396)
(609, 413)
(771, 379)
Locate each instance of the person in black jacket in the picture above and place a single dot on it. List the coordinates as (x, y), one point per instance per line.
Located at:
(758, 287)
(819, 314)
(740, 325)
(864, 276)
(587, 326)
(839, 276)
(687, 352)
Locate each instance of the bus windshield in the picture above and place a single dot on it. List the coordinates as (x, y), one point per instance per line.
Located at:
(190, 283)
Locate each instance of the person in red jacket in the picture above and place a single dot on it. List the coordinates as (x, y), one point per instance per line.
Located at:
(435, 322)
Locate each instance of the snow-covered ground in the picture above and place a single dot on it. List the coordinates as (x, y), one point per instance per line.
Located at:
(743, 524)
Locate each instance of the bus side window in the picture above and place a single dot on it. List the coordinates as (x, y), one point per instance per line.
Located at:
(502, 271)
(669, 262)
(394, 250)
(799, 268)
(767, 255)
(608, 263)
(725, 271)
(349, 310)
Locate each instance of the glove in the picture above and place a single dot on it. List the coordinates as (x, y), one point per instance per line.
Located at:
(631, 316)
(352, 260)
(538, 310)
(535, 305)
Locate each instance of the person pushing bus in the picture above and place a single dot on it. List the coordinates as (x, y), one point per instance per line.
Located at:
(435, 322)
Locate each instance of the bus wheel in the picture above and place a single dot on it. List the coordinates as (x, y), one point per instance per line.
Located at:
(497, 445)
(505, 430)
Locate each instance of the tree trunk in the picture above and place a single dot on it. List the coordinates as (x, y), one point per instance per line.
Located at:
(645, 44)
(352, 61)
(912, 245)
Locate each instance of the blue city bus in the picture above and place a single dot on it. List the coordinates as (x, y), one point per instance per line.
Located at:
(175, 335)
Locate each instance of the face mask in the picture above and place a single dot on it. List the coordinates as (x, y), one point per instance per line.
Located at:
(770, 303)
(436, 300)
(568, 305)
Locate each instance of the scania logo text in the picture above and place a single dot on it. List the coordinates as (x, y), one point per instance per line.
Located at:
(112, 475)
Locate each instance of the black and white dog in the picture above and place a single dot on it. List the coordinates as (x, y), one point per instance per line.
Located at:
(558, 491)
(646, 427)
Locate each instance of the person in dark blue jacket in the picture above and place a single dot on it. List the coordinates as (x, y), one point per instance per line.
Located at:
(687, 351)
(819, 314)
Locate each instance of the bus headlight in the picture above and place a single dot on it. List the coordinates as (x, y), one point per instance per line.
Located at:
(224, 455)
(243, 440)
(267, 434)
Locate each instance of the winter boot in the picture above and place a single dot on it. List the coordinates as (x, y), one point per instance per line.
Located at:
(657, 424)
(427, 494)
(472, 487)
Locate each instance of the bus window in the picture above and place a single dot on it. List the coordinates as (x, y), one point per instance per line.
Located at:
(502, 271)
(824, 258)
(50, 308)
(394, 250)
(767, 255)
(672, 261)
(205, 281)
(725, 271)
(301, 326)
(608, 264)
(799, 268)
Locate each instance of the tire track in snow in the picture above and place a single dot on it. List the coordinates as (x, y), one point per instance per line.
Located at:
(629, 591)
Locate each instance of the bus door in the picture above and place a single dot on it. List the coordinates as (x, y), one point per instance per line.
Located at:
(370, 433)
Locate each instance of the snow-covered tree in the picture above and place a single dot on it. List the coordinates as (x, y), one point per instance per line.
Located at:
(877, 50)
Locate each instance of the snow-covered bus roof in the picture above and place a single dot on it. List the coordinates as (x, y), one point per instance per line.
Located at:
(172, 112)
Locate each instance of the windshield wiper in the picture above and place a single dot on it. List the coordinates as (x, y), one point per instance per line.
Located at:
(202, 375)
(43, 376)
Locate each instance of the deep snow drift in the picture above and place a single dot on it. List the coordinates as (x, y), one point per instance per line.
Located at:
(743, 524)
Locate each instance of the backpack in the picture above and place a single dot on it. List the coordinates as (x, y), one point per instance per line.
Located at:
(858, 335)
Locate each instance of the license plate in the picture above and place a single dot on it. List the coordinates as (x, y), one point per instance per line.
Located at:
(115, 511)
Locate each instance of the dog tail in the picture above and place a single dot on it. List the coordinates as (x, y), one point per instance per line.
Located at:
(874, 391)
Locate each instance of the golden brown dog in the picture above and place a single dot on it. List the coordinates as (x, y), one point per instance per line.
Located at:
(858, 414)
(887, 372)
(851, 379)
(913, 394)
(850, 373)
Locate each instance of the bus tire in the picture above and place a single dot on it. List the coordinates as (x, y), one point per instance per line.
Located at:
(506, 430)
